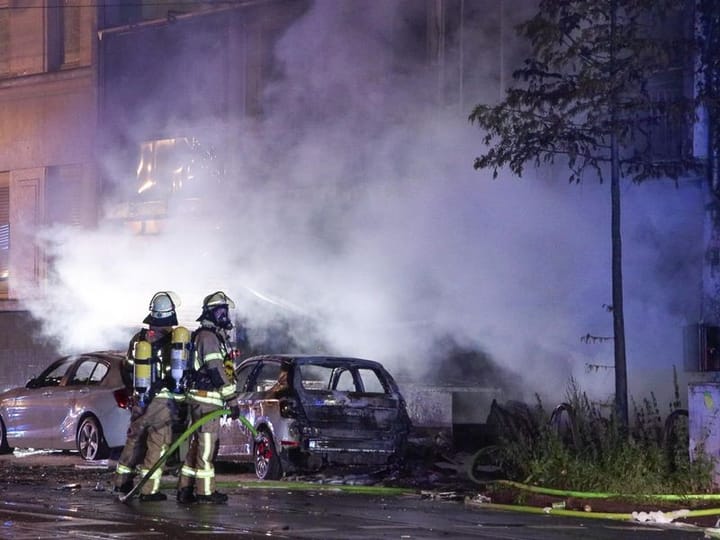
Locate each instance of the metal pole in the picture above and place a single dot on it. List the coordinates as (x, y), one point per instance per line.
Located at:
(461, 97)
(501, 59)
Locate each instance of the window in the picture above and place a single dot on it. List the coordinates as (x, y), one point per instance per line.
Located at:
(668, 137)
(99, 373)
(65, 195)
(83, 372)
(315, 377)
(241, 376)
(345, 382)
(4, 233)
(53, 375)
(70, 22)
(4, 40)
(168, 166)
(371, 381)
(89, 372)
(267, 376)
(122, 13)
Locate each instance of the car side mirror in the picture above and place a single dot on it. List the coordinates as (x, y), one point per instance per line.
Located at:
(32, 383)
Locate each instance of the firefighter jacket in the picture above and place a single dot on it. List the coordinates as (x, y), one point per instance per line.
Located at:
(213, 380)
(160, 339)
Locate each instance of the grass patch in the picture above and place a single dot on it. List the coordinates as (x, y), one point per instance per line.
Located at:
(576, 447)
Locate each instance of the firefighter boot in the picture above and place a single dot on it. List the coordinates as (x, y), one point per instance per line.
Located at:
(214, 498)
(124, 488)
(186, 496)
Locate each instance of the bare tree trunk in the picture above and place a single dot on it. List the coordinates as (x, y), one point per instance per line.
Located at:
(621, 397)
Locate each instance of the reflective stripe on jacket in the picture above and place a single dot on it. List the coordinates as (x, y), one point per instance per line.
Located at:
(210, 353)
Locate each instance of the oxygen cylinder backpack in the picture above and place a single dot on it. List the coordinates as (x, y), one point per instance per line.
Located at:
(180, 355)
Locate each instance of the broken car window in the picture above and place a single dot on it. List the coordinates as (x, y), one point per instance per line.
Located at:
(267, 376)
(371, 382)
(241, 376)
(313, 377)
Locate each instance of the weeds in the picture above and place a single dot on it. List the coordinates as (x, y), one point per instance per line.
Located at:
(576, 447)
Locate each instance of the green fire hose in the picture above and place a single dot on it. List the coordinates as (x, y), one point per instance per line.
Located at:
(174, 446)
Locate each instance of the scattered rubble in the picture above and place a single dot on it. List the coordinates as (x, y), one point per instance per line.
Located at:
(659, 517)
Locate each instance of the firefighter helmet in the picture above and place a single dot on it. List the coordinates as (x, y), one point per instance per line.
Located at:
(162, 309)
(215, 309)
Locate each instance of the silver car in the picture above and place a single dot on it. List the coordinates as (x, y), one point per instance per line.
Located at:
(79, 402)
(313, 411)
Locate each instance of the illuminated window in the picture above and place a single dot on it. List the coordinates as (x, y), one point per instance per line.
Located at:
(171, 166)
(4, 232)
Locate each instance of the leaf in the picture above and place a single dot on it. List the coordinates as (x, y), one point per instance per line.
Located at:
(570, 95)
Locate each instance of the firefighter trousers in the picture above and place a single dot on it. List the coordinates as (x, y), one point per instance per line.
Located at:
(198, 471)
(148, 438)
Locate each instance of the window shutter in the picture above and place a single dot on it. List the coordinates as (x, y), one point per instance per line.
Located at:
(4, 233)
(66, 195)
(4, 40)
(71, 32)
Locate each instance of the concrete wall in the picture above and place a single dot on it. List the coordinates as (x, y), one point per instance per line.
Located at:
(22, 354)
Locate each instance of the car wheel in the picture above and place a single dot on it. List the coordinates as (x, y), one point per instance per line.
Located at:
(4, 446)
(267, 462)
(91, 441)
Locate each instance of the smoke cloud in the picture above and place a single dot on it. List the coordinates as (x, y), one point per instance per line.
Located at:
(354, 213)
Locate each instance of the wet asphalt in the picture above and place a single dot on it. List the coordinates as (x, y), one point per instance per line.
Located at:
(51, 496)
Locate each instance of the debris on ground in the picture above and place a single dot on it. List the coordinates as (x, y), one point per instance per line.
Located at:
(659, 517)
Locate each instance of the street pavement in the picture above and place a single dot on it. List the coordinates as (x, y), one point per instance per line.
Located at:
(55, 495)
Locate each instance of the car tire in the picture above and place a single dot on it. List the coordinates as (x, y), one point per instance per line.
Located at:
(5, 448)
(267, 461)
(90, 440)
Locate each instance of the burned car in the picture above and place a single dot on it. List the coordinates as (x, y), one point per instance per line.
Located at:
(315, 411)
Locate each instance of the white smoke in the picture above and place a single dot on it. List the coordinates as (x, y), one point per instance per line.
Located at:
(355, 206)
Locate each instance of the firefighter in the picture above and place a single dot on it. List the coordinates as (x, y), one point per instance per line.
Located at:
(157, 399)
(211, 387)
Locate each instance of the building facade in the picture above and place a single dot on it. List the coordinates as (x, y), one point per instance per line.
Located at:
(76, 131)
(75, 78)
(65, 67)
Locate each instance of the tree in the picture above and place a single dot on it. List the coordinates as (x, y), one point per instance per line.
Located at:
(602, 91)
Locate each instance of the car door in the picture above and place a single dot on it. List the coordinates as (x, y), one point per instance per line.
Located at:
(351, 408)
(235, 440)
(259, 405)
(83, 393)
(38, 410)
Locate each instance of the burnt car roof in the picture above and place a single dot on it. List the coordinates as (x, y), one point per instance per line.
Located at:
(320, 359)
(96, 354)
(103, 354)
